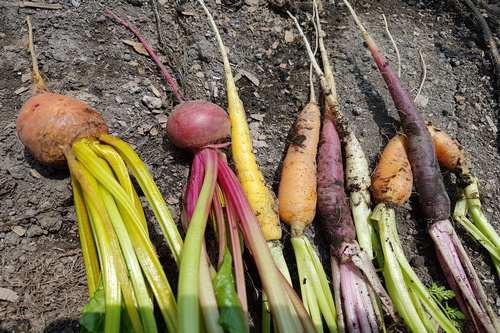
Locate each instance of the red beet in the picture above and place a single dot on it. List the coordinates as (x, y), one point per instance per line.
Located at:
(196, 124)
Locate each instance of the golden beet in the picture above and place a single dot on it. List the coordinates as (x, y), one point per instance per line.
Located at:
(48, 123)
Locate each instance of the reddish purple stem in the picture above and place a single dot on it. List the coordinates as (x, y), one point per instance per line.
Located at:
(239, 270)
(172, 83)
(218, 214)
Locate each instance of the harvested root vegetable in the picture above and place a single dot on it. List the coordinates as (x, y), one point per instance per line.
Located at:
(434, 201)
(124, 275)
(357, 288)
(451, 156)
(213, 186)
(297, 199)
(392, 185)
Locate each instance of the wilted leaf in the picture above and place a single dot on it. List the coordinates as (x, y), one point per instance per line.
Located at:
(138, 47)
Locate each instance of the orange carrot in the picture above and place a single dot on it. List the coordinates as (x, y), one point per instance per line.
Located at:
(449, 152)
(392, 180)
(297, 191)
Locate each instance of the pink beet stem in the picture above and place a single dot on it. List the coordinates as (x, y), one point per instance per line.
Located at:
(239, 270)
(218, 215)
(172, 83)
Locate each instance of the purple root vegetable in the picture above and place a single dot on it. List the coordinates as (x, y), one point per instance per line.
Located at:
(434, 201)
(354, 277)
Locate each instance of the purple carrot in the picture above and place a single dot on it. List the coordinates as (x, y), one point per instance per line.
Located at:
(433, 198)
(353, 273)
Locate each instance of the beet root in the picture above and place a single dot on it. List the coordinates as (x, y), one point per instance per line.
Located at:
(49, 123)
(196, 124)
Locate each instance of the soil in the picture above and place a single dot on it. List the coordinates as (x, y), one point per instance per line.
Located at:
(82, 54)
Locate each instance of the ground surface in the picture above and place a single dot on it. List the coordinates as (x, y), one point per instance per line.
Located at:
(81, 54)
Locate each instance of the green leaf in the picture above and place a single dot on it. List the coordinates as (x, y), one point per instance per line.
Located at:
(232, 318)
(440, 293)
(93, 313)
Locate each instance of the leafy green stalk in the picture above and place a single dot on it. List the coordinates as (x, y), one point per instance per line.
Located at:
(89, 251)
(121, 172)
(479, 227)
(144, 302)
(208, 301)
(144, 249)
(414, 285)
(151, 191)
(315, 289)
(112, 294)
(189, 317)
(232, 316)
(396, 284)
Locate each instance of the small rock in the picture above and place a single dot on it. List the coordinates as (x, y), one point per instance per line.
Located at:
(252, 2)
(50, 223)
(131, 86)
(18, 230)
(20, 90)
(460, 99)
(250, 76)
(12, 238)
(357, 111)
(118, 99)
(153, 131)
(151, 102)
(25, 77)
(491, 124)
(75, 3)
(35, 174)
(422, 101)
(201, 75)
(417, 261)
(8, 295)
(155, 91)
(171, 200)
(289, 36)
(259, 144)
(100, 19)
(34, 231)
(257, 116)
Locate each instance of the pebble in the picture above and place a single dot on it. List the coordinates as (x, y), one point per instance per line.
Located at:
(357, 111)
(11, 238)
(289, 36)
(171, 200)
(20, 90)
(151, 102)
(132, 87)
(460, 99)
(8, 295)
(34, 231)
(258, 116)
(119, 100)
(18, 230)
(259, 144)
(35, 174)
(422, 101)
(50, 223)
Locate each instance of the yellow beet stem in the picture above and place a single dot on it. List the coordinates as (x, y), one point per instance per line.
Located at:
(89, 251)
(251, 179)
(38, 83)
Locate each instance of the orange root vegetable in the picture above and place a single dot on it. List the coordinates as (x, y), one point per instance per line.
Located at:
(48, 123)
(449, 152)
(392, 180)
(297, 191)
(60, 130)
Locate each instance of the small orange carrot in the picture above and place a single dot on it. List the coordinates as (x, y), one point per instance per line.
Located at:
(450, 153)
(392, 180)
(297, 191)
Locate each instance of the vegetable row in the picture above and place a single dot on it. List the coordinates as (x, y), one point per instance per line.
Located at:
(325, 174)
